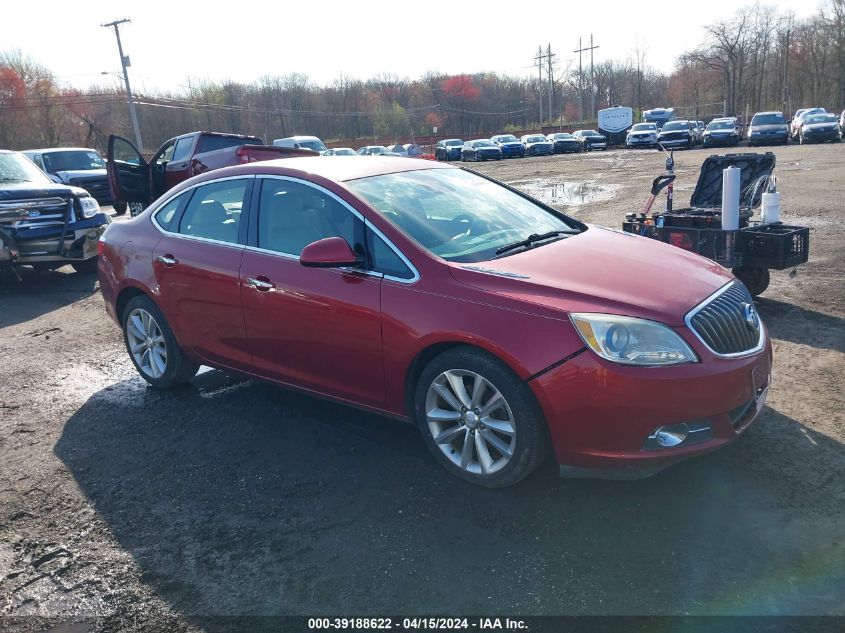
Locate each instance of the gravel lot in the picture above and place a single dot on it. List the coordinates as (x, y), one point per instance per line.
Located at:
(130, 509)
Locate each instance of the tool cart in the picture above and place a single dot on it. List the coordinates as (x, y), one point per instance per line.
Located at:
(751, 249)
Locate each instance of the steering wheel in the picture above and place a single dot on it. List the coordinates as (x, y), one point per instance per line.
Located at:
(464, 217)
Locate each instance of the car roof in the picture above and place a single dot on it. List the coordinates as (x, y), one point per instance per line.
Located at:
(310, 167)
(47, 150)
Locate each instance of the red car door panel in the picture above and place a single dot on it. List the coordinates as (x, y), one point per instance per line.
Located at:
(200, 286)
(316, 328)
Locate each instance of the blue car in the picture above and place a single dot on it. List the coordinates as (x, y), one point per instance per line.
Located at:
(448, 149)
(481, 149)
(510, 145)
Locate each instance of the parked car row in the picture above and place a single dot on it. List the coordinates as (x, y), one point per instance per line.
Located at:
(509, 146)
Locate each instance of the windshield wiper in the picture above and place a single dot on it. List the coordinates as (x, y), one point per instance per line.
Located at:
(534, 238)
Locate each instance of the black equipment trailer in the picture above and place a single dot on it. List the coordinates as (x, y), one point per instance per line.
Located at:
(752, 250)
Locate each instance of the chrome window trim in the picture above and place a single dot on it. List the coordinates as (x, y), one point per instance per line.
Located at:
(761, 341)
(357, 214)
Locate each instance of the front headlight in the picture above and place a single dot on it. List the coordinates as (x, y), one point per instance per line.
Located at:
(632, 341)
(89, 207)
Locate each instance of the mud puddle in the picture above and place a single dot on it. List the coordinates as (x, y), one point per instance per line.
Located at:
(568, 193)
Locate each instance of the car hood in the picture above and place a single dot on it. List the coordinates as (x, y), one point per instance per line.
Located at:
(721, 132)
(80, 173)
(667, 132)
(831, 125)
(595, 139)
(26, 190)
(602, 270)
(509, 143)
(771, 127)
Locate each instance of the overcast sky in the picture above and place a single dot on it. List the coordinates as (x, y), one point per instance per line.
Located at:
(170, 42)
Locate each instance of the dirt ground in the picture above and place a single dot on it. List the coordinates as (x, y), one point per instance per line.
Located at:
(123, 508)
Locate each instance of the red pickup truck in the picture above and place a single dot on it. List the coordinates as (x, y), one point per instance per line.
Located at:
(136, 181)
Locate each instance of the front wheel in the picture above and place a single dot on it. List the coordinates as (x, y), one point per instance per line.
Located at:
(479, 420)
(153, 347)
(135, 208)
(755, 279)
(119, 207)
(85, 267)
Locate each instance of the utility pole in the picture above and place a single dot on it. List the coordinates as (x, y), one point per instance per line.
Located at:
(580, 82)
(124, 62)
(549, 57)
(785, 95)
(540, 57)
(580, 50)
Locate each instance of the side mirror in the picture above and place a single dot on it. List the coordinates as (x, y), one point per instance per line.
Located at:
(330, 252)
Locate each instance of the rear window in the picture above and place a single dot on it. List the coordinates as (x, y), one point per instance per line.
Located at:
(211, 143)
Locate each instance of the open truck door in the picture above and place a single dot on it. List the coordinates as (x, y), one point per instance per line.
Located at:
(128, 172)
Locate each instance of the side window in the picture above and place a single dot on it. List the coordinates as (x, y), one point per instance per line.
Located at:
(292, 215)
(165, 154)
(385, 260)
(183, 149)
(164, 216)
(214, 211)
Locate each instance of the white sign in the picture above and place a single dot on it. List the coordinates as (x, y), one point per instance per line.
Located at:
(616, 119)
(434, 130)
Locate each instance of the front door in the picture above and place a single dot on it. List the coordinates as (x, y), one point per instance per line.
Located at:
(178, 169)
(128, 172)
(317, 328)
(197, 265)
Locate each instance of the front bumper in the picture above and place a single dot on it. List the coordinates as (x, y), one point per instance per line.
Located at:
(596, 145)
(77, 243)
(541, 150)
(567, 146)
(821, 137)
(720, 141)
(600, 414)
(512, 151)
(640, 142)
(677, 142)
(763, 138)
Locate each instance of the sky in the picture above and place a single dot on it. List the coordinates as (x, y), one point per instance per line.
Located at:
(172, 43)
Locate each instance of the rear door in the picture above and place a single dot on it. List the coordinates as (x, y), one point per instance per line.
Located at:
(318, 328)
(128, 172)
(196, 265)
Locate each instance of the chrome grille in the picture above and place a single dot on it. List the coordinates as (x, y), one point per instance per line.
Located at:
(34, 213)
(98, 187)
(727, 322)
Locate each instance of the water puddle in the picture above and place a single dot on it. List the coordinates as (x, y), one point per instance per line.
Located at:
(570, 193)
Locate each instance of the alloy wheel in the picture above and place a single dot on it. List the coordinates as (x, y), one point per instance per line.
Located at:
(470, 421)
(146, 343)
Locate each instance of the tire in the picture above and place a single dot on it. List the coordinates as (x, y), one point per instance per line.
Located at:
(520, 441)
(135, 208)
(178, 368)
(800, 139)
(755, 279)
(86, 267)
(119, 207)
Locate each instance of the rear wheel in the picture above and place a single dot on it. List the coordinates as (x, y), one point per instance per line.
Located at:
(153, 347)
(755, 279)
(119, 207)
(135, 208)
(479, 420)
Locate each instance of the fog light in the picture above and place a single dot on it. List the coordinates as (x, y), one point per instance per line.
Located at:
(93, 235)
(667, 436)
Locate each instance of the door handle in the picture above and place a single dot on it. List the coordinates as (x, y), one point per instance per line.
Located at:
(167, 260)
(260, 284)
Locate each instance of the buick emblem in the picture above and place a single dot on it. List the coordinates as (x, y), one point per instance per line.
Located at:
(752, 320)
(32, 213)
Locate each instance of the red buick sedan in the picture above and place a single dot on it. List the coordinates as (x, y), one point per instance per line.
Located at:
(503, 328)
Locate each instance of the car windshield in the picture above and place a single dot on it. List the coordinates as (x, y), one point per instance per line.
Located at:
(72, 160)
(820, 118)
(589, 133)
(644, 127)
(720, 125)
(536, 139)
(454, 142)
(482, 144)
(675, 125)
(344, 151)
(315, 145)
(455, 214)
(768, 119)
(562, 135)
(507, 138)
(16, 167)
